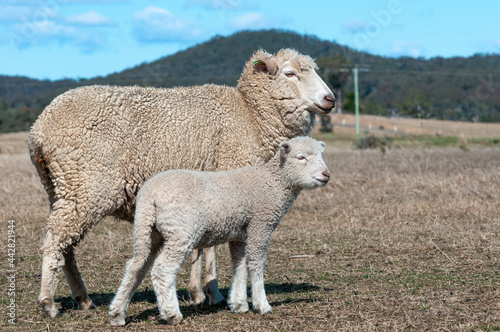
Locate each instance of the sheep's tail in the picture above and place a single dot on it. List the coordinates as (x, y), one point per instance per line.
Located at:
(144, 221)
(41, 162)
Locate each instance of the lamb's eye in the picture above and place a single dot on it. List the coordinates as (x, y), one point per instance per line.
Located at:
(289, 74)
(301, 158)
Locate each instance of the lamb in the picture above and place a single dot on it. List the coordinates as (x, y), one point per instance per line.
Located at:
(179, 210)
(94, 147)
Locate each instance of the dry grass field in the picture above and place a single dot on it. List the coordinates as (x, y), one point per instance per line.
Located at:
(407, 240)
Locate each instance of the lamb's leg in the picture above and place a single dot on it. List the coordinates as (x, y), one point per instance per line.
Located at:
(194, 287)
(211, 287)
(145, 252)
(257, 255)
(238, 292)
(75, 282)
(164, 278)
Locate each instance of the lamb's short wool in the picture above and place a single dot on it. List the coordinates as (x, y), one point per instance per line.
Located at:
(94, 147)
(180, 210)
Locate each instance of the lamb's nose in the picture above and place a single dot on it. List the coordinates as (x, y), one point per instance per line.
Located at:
(326, 174)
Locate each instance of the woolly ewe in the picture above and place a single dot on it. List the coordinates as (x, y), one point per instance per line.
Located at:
(179, 210)
(94, 147)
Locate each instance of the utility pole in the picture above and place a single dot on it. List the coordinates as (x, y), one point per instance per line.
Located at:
(356, 98)
(355, 71)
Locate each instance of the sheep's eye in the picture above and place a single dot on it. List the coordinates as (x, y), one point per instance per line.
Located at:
(301, 158)
(289, 74)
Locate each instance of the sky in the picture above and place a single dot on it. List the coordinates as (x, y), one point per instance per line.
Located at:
(55, 39)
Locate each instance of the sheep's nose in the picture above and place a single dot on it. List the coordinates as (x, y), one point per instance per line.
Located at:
(330, 100)
(326, 174)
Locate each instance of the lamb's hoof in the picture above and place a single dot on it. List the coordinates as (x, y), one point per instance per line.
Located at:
(117, 316)
(239, 308)
(173, 320)
(119, 320)
(49, 309)
(264, 309)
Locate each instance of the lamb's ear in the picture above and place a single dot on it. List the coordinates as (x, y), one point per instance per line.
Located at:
(285, 148)
(266, 66)
(323, 145)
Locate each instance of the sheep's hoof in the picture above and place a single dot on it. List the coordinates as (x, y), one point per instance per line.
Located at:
(197, 298)
(49, 309)
(213, 293)
(85, 304)
(173, 320)
(117, 316)
(118, 320)
(264, 310)
(239, 308)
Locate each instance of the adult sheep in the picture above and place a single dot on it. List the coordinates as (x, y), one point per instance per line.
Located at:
(94, 147)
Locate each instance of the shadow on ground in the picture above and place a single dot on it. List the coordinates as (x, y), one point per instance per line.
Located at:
(148, 295)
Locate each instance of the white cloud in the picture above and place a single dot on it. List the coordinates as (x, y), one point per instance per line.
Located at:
(154, 24)
(354, 26)
(496, 42)
(215, 4)
(250, 21)
(26, 13)
(90, 18)
(406, 48)
(49, 32)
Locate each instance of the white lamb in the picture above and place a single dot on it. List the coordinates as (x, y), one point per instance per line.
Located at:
(181, 210)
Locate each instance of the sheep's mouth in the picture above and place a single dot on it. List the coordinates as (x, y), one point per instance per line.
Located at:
(323, 110)
(321, 182)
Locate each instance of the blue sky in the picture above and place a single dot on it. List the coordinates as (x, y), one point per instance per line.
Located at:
(54, 39)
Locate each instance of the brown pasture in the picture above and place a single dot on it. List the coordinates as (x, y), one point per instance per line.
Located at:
(406, 240)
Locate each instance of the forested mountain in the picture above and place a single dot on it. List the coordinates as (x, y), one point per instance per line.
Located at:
(447, 88)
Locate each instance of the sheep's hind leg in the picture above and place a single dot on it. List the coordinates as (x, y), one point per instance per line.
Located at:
(137, 268)
(164, 278)
(75, 282)
(211, 287)
(194, 287)
(51, 262)
(56, 250)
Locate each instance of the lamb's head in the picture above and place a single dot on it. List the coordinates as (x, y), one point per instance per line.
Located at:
(291, 75)
(302, 163)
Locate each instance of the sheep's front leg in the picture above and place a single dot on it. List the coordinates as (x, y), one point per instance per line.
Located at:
(238, 292)
(257, 255)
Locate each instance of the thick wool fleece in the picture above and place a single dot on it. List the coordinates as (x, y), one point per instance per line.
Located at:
(94, 146)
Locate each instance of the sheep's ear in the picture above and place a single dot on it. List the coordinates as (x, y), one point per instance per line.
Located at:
(285, 148)
(266, 66)
(323, 145)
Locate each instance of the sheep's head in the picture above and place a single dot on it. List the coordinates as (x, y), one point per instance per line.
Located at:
(302, 161)
(294, 76)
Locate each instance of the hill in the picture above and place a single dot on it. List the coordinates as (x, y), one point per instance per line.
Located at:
(436, 88)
